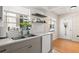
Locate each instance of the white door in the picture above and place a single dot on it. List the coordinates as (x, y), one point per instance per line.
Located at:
(66, 32)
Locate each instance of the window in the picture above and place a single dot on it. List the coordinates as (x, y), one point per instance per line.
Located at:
(52, 25)
(11, 14)
(11, 20)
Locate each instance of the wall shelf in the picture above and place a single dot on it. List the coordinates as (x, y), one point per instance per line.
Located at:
(39, 15)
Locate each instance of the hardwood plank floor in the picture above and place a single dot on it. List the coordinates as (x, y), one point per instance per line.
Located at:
(65, 46)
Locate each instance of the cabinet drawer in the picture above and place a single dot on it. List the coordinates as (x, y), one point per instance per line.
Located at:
(11, 47)
(34, 46)
(24, 49)
(17, 46)
(3, 49)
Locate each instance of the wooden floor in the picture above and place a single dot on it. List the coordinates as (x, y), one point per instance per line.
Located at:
(65, 46)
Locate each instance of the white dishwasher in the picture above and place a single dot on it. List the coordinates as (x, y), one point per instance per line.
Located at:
(46, 43)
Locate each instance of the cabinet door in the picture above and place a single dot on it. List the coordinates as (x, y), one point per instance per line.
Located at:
(35, 45)
(3, 50)
(46, 43)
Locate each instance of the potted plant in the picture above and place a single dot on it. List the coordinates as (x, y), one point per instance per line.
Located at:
(25, 26)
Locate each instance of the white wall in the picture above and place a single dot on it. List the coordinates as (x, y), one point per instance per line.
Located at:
(73, 27)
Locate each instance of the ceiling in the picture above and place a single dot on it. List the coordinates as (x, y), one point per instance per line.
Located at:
(59, 10)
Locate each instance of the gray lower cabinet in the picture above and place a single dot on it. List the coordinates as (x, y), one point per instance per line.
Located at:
(35, 45)
(27, 46)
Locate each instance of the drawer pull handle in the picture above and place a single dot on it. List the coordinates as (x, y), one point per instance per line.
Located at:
(2, 50)
(30, 46)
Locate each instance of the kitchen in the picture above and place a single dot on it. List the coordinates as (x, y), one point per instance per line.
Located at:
(39, 29)
(26, 30)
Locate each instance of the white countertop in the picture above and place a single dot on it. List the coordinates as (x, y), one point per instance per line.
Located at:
(6, 41)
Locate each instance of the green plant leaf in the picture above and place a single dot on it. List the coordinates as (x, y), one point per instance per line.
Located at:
(26, 24)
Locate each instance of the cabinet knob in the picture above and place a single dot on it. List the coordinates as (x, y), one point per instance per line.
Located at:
(3, 50)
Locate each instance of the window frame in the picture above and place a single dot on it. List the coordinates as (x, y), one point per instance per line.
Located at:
(52, 26)
(15, 23)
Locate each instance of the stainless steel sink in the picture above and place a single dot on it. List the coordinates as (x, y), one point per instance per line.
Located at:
(31, 35)
(22, 37)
